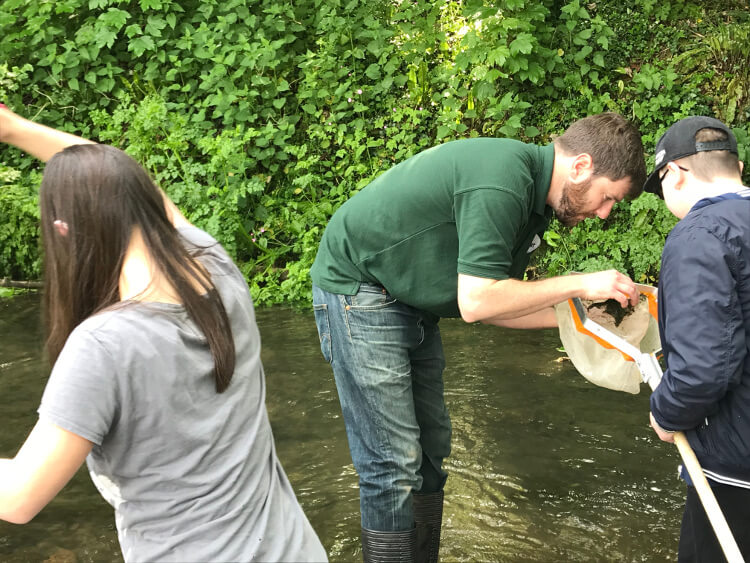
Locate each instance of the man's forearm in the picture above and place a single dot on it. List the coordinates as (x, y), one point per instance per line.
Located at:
(544, 318)
(509, 299)
(482, 299)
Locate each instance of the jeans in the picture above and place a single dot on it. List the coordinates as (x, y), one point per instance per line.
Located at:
(387, 359)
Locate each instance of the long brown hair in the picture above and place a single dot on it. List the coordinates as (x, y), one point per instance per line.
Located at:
(103, 195)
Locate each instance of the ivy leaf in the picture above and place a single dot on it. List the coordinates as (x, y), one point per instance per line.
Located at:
(442, 131)
(114, 18)
(105, 36)
(582, 37)
(498, 55)
(141, 44)
(133, 30)
(582, 54)
(531, 132)
(485, 90)
(150, 4)
(522, 44)
(570, 9)
(105, 84)
(155, 25)
(373, 71)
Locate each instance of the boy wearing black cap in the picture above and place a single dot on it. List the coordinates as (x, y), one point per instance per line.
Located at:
(704, 318)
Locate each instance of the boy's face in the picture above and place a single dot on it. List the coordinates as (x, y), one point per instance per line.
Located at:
(674, 185)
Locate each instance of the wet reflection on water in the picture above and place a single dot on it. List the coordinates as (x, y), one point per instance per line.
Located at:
(545, 466)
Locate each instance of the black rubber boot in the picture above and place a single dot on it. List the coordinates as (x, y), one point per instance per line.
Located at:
(388, 547)
(428, 518)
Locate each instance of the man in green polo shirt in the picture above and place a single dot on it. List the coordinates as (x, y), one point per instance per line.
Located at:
(448, 233)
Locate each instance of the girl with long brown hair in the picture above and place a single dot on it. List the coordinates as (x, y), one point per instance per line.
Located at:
(156, 381)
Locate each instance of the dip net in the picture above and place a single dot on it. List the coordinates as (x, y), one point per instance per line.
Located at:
(595, 359)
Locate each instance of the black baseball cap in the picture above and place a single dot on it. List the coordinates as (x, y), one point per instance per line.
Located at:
(679, 142)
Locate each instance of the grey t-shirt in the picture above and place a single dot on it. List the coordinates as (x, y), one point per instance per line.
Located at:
(192, 473)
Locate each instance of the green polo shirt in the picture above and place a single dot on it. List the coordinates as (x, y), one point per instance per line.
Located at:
(472, 206)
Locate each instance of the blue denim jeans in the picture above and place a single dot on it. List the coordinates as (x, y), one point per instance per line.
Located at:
(387, 359)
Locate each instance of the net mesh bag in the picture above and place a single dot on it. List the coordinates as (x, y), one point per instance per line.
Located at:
(602, 366)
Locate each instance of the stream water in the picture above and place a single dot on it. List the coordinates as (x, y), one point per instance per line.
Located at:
(545, 466)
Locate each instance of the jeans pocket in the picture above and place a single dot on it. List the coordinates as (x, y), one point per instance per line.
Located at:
(324, 330)
(370, 297)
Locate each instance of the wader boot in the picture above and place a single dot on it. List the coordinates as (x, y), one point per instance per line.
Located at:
(388, 547)
(428, 517)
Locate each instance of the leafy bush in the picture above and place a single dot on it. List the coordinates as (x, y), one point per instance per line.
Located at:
(260, 118)
(19, 228)
(629, 241)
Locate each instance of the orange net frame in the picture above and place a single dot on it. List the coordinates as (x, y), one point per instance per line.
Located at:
(597, 359)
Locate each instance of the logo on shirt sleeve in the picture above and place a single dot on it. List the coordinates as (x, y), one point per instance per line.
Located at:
(535, 243)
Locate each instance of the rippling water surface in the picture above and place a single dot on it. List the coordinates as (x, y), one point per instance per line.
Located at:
(545, 466)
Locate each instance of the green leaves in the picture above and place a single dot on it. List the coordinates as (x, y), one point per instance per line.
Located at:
(522, 44)
(258, 114)
(630, 240)
(141, 44)
(19, 226)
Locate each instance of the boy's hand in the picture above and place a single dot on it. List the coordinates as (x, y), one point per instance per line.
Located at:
(664, 435)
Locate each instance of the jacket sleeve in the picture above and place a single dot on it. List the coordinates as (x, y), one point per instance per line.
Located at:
(702, 331)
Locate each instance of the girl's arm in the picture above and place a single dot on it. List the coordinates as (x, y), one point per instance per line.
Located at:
(50, 456)
(45, 463)
(38, 140)
(44, 142)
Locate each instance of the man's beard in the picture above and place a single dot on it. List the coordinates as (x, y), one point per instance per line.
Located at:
(572, 201)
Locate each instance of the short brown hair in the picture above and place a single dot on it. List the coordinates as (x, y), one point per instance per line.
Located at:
(614, 144)
(708, 165)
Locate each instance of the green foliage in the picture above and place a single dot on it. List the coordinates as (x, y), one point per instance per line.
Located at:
(629, 241)
(19, 210)
(723, 52)
(19, 227)
(260, 118)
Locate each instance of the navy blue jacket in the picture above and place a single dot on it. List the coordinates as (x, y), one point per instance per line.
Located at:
(704, 318)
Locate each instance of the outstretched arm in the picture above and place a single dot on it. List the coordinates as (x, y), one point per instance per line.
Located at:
(38, 140)
(543, 318)
(507, 302)
(44, 142)
(46, 462)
